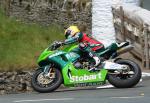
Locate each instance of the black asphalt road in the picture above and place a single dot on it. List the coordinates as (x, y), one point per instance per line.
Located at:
(138, 94)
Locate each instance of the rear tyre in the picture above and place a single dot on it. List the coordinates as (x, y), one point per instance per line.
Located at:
(126, 80)
(43, 84)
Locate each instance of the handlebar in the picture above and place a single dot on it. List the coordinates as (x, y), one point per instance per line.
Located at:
(55, 45)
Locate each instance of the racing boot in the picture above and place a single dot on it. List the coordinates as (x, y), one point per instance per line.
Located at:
(97, 63)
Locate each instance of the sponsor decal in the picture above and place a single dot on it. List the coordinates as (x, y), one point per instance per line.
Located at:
(56, 54)
(89, 84)
(85, 77)
(72, 55)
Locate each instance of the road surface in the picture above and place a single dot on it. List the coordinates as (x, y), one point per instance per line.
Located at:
(104, 94)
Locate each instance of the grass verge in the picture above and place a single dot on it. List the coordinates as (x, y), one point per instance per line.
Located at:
(21, 44)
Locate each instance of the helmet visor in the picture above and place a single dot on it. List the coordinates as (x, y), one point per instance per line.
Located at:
(67, 33)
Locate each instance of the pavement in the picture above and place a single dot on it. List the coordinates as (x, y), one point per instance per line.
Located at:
(145, 75)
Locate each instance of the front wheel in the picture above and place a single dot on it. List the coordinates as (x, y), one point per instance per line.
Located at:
(44, 84)
(128, 78)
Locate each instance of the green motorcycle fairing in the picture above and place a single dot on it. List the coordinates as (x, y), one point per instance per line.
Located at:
(73, 76)
(64, 60)
(59, 57)
(44, 55)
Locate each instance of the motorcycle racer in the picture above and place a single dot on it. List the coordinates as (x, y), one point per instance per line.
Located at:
(87, 44)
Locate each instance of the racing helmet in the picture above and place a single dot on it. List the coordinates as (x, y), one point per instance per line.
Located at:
(71, 31)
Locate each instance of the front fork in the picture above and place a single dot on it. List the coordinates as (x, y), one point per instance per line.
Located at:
(46, 71)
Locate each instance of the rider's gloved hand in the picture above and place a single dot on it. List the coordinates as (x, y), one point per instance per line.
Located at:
(57, 44)
(60, 43)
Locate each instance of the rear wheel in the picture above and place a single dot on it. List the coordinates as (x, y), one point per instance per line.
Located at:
(128, 78)
(44, 84)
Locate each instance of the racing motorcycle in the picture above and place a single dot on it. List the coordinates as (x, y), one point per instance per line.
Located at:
(63, 66)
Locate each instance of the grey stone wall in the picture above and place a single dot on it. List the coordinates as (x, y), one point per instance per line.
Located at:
(44, 12)
(15, 82)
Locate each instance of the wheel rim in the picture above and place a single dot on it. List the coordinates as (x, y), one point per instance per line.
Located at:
(125, 74)
(47, 80)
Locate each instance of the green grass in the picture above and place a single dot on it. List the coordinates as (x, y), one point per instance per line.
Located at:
(21, 44)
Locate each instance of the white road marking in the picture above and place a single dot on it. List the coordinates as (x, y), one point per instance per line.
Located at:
(144, 74)
(40, 100)
(107, 86)
(127, 97)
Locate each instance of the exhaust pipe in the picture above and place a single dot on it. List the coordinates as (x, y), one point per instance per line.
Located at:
(125, 49)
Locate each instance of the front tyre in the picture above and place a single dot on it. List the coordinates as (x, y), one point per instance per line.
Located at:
(127, 79)
(43, 84)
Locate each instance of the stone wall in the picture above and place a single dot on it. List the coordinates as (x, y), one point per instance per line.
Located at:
(15, 82)
(47, 12)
